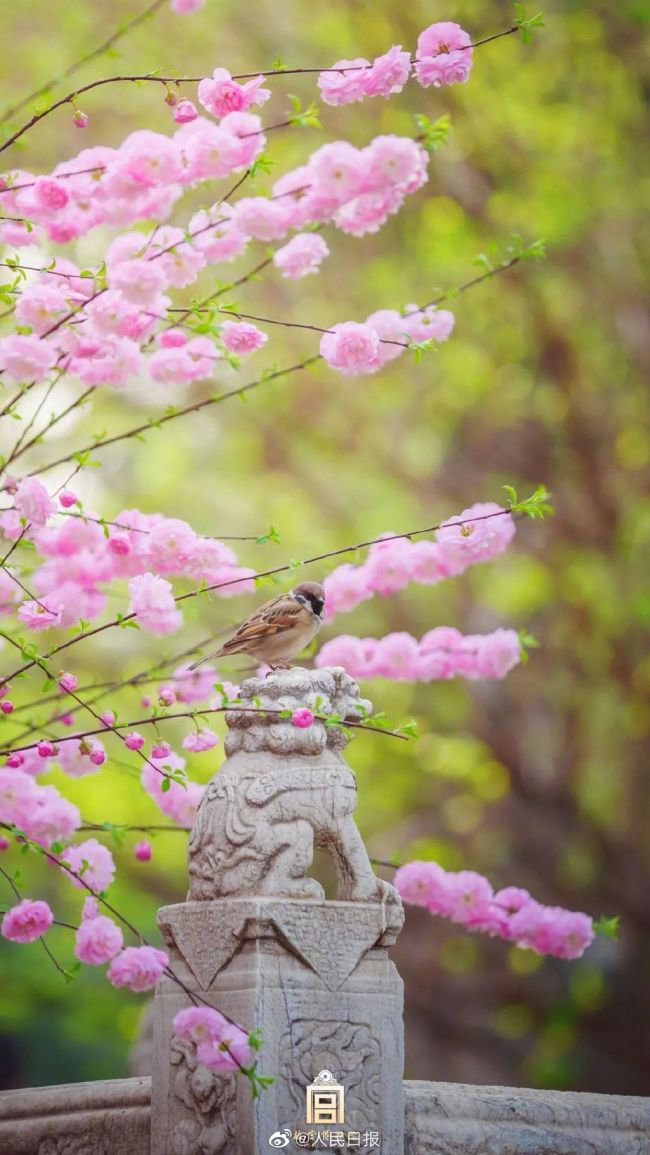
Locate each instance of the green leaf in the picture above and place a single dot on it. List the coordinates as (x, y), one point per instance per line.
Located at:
(608, 927)
(538, 505)
(434, 134)
(525, 24)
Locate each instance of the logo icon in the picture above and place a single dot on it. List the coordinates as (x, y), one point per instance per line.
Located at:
(325, 1100)
(280, 1138)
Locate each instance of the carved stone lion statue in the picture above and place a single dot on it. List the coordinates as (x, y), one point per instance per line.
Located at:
(281, 792)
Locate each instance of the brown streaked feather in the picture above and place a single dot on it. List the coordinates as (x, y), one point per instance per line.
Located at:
(280, 613)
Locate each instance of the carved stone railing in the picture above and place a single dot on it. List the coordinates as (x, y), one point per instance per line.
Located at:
(113, 1118)
(257, 939)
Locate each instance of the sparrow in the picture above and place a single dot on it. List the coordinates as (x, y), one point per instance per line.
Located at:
(279, 629)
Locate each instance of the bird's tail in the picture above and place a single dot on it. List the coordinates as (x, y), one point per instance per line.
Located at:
(207, 658)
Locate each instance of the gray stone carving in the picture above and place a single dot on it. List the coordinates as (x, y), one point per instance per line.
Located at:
(282, 792)
(258, 940)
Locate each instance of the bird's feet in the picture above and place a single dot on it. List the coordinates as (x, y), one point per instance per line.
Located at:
(273, 666)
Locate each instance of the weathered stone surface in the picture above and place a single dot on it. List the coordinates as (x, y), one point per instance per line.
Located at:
(111, 1117)
(455, 1119)
(317, 980)
(281, 792)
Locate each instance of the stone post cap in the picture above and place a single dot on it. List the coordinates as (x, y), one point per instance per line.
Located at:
(326, 691)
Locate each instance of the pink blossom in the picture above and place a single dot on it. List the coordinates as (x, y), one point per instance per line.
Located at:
(351, 348)
(68, 683)
(444, 55)
(302, 255)
(349, 652)
(97, 940)
(230, 1053)
(345, 82)
(180, 802)
(397, 657)
(15, 761)
(18, 793)
(303, 718)
(336, 170)
(50, 194)
(92, 863)
(498, 653)
(389, 73)
(186, 6)
(40, 615)
(194, 685)
(423, 324)
(200, 740)
(68, 498)
(389, 566)
(138, 967)
(33, 502)
(185, 112)
(7, 707)
(430, 563)
(41, 305)
(45, 749)
(4, 844)
(199, 1024)
(78, 758)
(240, 337)
(27, 921)
(394, 163)
(551, 930)
(80, 119)
(134, 741)
(153, 604)
(262, 218)
(345, 588)
(52, 818)
(171, 545)
(477, 534)
(143, 851)
(423, 884)
(24, 358)
(221, 94)
(139, 280)
(166, 696)
(160, 750)
(470, 898)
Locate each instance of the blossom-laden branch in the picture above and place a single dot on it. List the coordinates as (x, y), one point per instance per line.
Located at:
(166, 607)
(428, 70)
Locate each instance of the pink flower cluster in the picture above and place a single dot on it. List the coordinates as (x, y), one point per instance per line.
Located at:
(348, 81)
(181, 800)
(27, 921)
(80, 560)
(441, 654)
(39, 811)
(479, 533)
(98, 939)
(220, 1044)
(138, 967)
(468, 899)
(444, 55)
(91, 864)
(355, 348)
(220, 94)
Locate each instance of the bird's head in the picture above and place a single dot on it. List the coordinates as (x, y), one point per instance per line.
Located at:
(312, 596)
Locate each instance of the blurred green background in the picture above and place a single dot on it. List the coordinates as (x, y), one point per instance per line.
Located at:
(539, 781)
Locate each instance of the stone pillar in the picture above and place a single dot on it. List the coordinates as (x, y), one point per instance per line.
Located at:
(258, 940)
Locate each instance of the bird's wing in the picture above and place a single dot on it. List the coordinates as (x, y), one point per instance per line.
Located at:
(275, 616)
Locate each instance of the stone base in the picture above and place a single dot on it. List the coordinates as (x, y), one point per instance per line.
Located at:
(316, 979)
